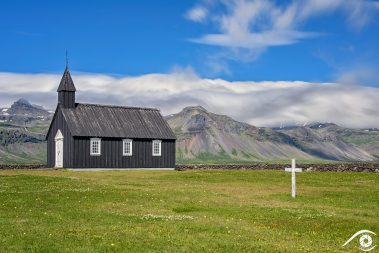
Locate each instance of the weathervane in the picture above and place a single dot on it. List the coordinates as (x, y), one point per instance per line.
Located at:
(66, 58)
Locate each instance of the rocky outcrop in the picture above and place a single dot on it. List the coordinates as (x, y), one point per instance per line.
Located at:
(23, 107)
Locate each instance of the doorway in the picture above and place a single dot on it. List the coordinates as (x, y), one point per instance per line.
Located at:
(59, 149)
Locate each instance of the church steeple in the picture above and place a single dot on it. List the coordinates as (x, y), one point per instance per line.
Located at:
(66, 90)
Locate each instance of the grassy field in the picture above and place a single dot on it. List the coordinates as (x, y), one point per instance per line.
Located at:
(188, 211)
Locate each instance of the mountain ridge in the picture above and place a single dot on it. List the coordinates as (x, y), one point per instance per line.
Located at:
(205, 137)
(201, 133)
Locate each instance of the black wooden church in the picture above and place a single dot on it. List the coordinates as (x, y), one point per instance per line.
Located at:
(103, 136)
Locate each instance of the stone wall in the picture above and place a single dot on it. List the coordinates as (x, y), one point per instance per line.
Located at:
(354, 167)
(22, 166)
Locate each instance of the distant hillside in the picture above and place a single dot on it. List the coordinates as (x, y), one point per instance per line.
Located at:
(330, 141)
(205, 136)
(22, 133)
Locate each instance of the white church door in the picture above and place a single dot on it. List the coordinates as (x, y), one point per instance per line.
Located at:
(59, 150)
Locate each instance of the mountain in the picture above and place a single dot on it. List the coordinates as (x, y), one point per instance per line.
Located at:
(205, 136)
(330, 141)
(23, 107)
(22, 133)
(202, 135)
(326, 141)
(23, 111)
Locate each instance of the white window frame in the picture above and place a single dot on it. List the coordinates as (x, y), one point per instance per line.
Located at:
(124, 153)
(159, 142)
(93, 140)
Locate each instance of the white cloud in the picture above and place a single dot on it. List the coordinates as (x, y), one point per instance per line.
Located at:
(197, 14)
(358, 74)
(258, 103)
(358, 12)
(255, 40)
(260, 24)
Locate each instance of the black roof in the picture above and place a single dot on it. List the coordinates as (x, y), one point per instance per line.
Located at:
(66, 82)
(92, 120)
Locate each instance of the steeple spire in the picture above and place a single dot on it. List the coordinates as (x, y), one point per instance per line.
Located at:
(66, 90)
(66, 82)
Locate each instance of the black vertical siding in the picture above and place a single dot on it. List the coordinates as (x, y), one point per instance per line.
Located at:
(76, 150)
(111, 154)
(66, 99)
(68, 142)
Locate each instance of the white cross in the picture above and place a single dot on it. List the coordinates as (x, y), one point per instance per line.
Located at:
(293, 170)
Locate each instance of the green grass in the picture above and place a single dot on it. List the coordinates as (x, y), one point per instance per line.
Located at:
(189, 211)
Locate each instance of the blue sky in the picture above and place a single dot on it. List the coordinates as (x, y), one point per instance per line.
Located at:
(264, 62)
(139, 37)
(120, 37)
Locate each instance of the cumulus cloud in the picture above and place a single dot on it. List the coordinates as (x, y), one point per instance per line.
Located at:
(258, 103)
(197, 14)
(259, 24)
(358, 74)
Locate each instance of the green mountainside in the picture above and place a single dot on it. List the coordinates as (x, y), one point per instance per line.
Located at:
(22, 133)
(23, 145)
(204, 137)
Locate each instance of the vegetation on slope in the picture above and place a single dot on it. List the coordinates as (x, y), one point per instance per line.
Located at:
(22, 144)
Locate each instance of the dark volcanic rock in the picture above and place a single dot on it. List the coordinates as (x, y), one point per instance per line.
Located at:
(23, 107)
(22, 167)
(352, 167)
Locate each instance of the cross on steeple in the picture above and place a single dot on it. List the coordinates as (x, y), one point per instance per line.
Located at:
(66, 58)
(66, 90)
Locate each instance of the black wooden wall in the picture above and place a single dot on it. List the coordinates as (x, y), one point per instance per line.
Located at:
(76, 151)
(68, 141)
(66, 99)
(111, 154)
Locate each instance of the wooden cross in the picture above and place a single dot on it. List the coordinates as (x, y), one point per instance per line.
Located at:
(293, 170)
